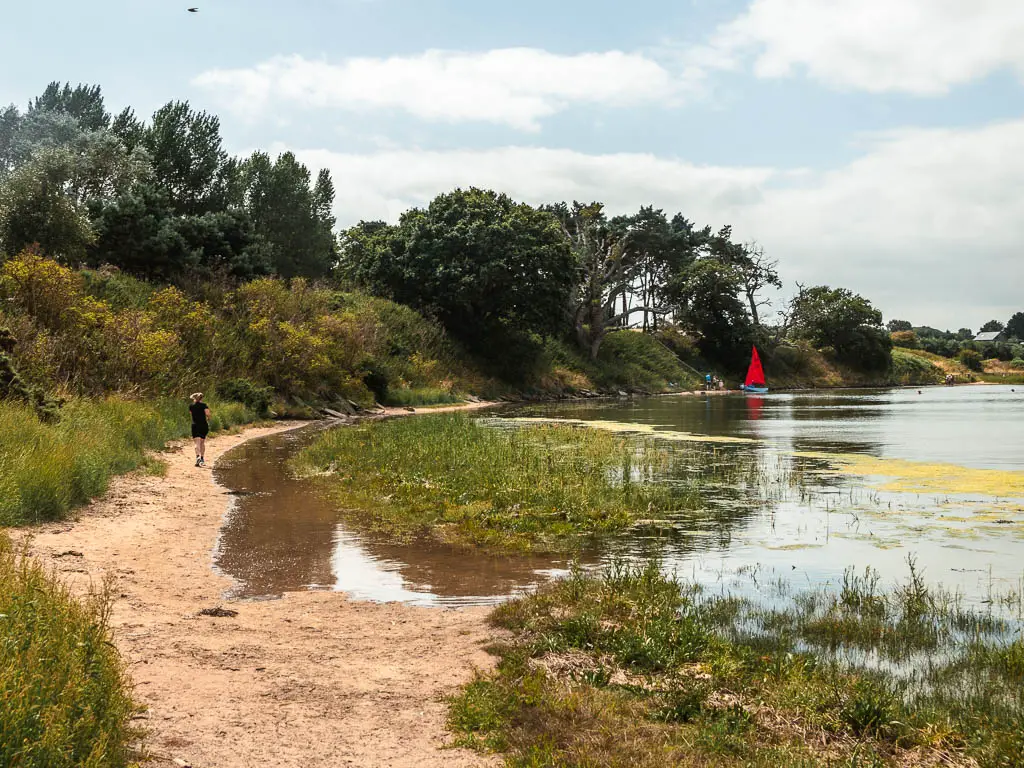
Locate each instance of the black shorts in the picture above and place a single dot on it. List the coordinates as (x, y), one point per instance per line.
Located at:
(198, 431)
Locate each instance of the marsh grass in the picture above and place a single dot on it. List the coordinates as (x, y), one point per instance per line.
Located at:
(64, 697)
(420, 396)
(48, 469)
(631, 667)
(463, 481)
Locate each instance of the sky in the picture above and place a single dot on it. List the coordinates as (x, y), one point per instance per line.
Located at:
(876, 145)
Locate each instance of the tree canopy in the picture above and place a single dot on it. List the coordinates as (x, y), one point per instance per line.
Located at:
(489, 268)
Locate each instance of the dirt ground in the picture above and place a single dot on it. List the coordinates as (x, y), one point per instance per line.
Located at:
(310, 680)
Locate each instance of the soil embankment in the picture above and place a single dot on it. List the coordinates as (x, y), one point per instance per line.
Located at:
(310, 680)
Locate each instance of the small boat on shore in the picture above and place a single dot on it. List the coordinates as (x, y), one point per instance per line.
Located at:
(755, 383)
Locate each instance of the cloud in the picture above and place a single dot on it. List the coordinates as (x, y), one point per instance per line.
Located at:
(516, 87)
(927, 223)
(921, 47)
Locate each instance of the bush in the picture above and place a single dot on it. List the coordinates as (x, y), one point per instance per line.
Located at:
(909, 369)
(255, 397)
(906, 339)
(971, 359)
(64, 691)
(1017, 364)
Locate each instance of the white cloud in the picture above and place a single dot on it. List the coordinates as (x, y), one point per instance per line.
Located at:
(510, 86)
(928, 223)
(910, 46)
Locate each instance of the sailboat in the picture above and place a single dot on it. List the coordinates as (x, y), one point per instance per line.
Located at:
(755, 383)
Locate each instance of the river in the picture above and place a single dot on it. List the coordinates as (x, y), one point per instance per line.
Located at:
(844, 478)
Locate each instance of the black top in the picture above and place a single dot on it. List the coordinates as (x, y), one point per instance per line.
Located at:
(198, 411)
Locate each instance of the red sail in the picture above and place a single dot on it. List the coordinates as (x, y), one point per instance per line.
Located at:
(755, 374)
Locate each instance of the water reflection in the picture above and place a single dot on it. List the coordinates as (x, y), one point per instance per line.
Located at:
(281, 536)
(766, 508)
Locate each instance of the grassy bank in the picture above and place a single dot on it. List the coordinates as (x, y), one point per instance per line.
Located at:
(448, 476)
(630, 668)
(64, 699)
(48, 469)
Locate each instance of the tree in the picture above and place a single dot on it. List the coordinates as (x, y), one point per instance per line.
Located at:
(187, 156)
(84, 103)
(991, 326)
(896, 326)
(492, 270)
(294, 219)
(844, 321)
(1015, 326)
(36, 208)
(757, 272)
(140, 233)
(706, 295)
(653, 247)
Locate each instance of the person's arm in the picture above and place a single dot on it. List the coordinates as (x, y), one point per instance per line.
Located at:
(207, 413)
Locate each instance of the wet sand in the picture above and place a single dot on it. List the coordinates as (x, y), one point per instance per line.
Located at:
(313, 679)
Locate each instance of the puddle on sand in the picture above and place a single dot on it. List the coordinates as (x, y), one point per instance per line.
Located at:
(281, 536)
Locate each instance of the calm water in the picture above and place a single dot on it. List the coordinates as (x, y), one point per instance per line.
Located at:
(281, 536)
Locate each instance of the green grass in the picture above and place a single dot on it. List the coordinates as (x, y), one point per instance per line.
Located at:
(539, 487)
(628, 360)
(48, 469)
(911, 369)
(64, 695)
(630, 667)
(420, 396)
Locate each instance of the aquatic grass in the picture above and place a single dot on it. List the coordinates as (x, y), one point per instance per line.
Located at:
(492, 484)
(687, 678)
(64, 696)
(48, 469)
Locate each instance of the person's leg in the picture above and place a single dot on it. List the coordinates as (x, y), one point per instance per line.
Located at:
(202, 448)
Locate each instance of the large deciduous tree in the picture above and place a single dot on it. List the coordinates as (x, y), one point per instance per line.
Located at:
(491, 269)
(844, 321)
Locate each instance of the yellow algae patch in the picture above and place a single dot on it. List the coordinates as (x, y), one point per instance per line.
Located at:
(626, 427)
(793, 547)
(923, 477)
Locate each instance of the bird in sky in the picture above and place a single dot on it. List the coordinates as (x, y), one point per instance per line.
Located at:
(193, 10)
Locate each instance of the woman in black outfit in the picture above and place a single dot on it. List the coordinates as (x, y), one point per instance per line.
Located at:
(200, 426)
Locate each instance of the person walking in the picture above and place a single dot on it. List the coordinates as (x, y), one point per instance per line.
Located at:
(200, 426)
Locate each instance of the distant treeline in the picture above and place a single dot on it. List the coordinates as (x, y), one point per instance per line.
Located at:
(161, 200)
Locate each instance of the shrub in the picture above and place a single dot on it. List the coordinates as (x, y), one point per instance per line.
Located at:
(971, 359)
(906, 339)
(1017, 363)
(64, 691)
(244, 391)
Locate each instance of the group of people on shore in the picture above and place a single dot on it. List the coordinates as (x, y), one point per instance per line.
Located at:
(712, 382)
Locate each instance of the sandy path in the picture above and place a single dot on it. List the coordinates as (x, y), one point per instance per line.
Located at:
(310, 680)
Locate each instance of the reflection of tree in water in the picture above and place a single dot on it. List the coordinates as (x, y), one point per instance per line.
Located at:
(720, 490)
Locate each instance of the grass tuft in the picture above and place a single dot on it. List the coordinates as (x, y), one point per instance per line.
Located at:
(631, 667)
